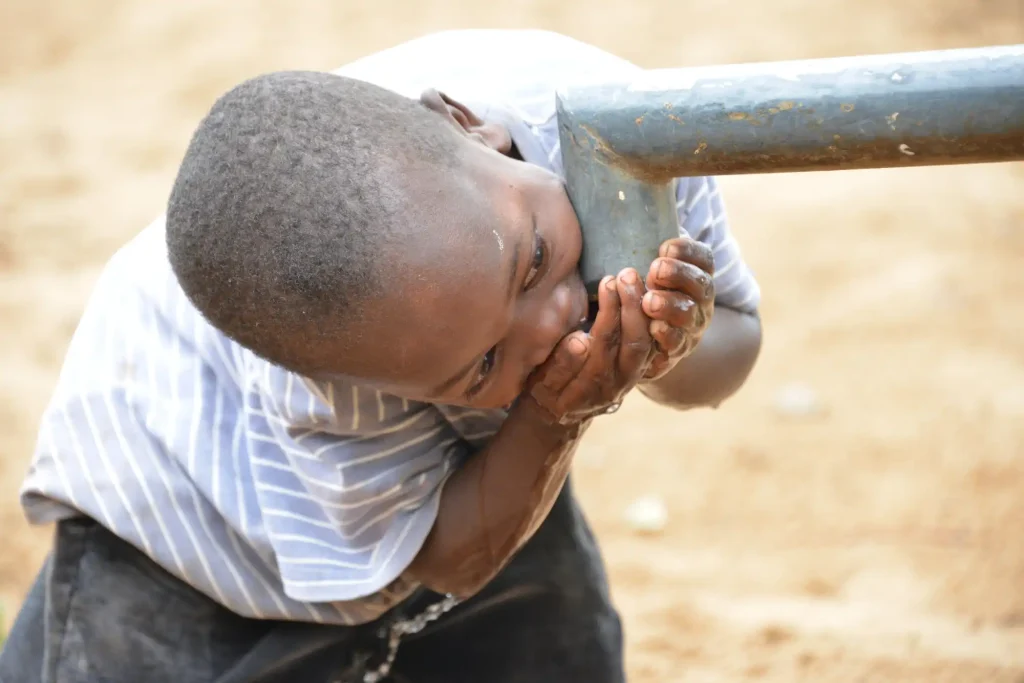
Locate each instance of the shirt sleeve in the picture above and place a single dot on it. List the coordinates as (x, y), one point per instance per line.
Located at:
(702, 216)
(348, 482)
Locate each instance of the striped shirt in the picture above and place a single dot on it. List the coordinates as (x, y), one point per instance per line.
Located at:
(277, 496)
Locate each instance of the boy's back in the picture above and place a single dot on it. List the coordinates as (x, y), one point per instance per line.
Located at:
(277, 496)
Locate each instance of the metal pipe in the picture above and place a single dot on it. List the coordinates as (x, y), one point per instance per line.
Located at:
(623, 143)
(953, 106)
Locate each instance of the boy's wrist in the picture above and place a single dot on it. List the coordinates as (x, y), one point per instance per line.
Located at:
(494, 503)
(548, 427)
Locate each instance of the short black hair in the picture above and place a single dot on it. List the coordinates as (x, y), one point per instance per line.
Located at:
(288, 196)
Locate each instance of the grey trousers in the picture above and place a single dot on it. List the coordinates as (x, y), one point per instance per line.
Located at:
(102, 612)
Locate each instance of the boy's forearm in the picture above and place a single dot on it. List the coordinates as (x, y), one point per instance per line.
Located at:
(716, 369)
(495, 502)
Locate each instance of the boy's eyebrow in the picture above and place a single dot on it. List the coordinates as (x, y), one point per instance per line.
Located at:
(514, 269)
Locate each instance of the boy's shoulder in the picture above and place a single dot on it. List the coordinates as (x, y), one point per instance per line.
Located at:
(519, 68)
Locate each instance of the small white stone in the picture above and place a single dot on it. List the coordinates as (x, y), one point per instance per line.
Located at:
(647, 515)
(797, 400)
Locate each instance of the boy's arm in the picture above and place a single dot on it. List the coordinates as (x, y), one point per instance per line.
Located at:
(729, 348)
(718, 366)
(496, 501)
(499, 498)
(386, 499)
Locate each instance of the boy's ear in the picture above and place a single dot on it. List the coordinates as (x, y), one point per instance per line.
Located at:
(493, 135)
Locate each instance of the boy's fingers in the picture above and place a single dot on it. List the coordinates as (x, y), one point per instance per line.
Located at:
(635, 345)
(657, 366)
(599, 368)
(689, 250)
(669, 339)
(679, 276)
(565, 363)
(606, 329)
(678, 310)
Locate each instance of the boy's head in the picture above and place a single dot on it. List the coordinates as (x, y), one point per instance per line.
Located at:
(341, 230)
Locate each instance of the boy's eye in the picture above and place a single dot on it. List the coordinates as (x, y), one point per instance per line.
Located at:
(485, 369)
(540, 253)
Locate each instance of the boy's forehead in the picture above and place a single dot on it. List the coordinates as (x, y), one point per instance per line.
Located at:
(468, 242)
(442, 313)
(451, 288)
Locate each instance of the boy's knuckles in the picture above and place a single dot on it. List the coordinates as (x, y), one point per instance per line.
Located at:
(700, 255)
(670, 338)
(693, 273)
(611, 338)
(543, 395)
(699, 317)
(575, 364)
(631, 295)
(553, 383)
(560, 362)
(681, 313)
(706, 258)
(637, 347)
(594, 384)
(592, 388)
(689, 249)
(559, 384)
(684, 277)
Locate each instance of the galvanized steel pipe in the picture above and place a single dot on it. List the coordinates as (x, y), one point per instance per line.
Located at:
(623, 143)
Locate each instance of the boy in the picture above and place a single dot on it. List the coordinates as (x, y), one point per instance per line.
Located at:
(336, 390)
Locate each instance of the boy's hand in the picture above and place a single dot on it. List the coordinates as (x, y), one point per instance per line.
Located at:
(589, 374)
(680, 301)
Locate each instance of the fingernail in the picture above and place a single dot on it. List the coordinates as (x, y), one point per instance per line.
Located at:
(675, 251)
(629, 277)
(577, 346)
(656, 303)
(611, 285)
(664, 270)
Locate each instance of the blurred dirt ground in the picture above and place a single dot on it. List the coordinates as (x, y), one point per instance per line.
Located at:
(877, 538)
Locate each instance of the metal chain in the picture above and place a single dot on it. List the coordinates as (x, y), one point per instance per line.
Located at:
(404, 627)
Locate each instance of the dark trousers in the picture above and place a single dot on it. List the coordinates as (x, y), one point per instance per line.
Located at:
(102, 612)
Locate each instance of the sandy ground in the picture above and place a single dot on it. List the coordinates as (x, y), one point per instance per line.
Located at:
(877, 539)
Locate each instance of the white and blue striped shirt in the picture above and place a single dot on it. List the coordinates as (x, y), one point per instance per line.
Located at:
(276, 496)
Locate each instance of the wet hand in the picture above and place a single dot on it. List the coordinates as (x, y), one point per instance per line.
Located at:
(588, 374)
(680, 301)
